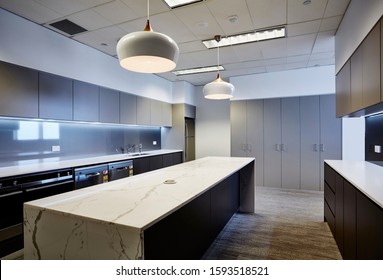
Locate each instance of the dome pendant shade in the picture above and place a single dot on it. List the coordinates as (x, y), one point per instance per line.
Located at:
(218, 89)
(147, 51)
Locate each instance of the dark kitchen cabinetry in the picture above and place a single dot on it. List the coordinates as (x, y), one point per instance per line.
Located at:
(155, 162)
(358, 226)
(369, 229)
(85, 102)
(109, 105)
(55, 97)
(150, 163)
(19, 91)
(141, 165)
(358, 83)
(188, 232)
(128, 108)
(343, 91)
(172, 159)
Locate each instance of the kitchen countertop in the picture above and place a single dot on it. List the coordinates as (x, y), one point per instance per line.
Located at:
(39, 165)
(365, 176)
(107, 221)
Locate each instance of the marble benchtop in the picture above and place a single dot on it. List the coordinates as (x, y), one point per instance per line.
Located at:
(138, 202)
(365, 176)
(39, 165)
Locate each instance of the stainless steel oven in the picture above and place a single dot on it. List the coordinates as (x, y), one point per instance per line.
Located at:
(90, 175)
(121, 169)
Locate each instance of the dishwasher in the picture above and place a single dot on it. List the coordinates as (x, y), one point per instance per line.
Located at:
(90, 175)
(15, 190)
(121, 169)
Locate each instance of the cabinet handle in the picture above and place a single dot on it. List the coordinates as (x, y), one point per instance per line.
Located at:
(283, 148)
(322, 148)
(278, 147)
(316, 147)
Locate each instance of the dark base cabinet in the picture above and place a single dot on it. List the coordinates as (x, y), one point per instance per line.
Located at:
(146, 164)
(188, 232)
(358, 226)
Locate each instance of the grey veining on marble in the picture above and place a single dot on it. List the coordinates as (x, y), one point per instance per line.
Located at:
(107, 221)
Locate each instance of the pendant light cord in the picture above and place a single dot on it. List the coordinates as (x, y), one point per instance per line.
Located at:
(147, 17)
(218, 39)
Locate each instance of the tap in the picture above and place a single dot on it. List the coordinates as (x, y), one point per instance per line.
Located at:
(140, 148)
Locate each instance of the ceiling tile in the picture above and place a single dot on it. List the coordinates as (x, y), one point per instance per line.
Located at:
(199, 20)
(300, 45)
(89, 19)
(267, 13)
(336, 7)
(30, 10)
(297, 58)
(321, 62)
(325, 42)
(246, 52)
(223, 9)
(64, 8)
(191, 46)
(297, 12)
(323, 55)
(140, 7)
(170, 25)
(116, 12)
(331, 23)
(303, 28)
(273, 48)
(246, 64)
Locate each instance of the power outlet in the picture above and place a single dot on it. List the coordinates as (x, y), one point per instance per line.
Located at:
(55, 148)
(154, 143)
(378, 149)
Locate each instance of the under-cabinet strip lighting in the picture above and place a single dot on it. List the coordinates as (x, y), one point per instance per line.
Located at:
(177, 3)
(198, 70)
(261, 35)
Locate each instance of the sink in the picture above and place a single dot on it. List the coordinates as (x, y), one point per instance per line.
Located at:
(138, 154)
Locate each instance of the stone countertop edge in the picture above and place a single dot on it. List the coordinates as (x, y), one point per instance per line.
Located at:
(365, 176)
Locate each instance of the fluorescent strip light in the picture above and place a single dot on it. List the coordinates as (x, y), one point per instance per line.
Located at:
(177, 3)
(197, 70)
(261, 35)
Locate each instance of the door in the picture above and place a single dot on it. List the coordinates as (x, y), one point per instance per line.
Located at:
(272, 143)
(310, 150)
(290, 144)
(238, 118)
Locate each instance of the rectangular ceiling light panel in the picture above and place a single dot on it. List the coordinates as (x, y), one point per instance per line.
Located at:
(197, 70)
(177, 3)
(279, 32)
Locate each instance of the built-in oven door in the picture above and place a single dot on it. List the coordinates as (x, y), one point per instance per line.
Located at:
(89, 176)
(119, 170)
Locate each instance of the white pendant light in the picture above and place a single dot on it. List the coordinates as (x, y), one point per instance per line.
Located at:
(147, 51)
(218, 89)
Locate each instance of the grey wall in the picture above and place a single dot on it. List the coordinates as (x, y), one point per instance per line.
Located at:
(30, 140)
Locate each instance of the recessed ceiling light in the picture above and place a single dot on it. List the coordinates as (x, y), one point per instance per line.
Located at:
(261, 35)
(198, 70)
(177, 3)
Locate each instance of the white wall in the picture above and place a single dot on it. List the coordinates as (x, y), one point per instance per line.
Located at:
(27, 44)
(360, 18)
(183, 92)
(353, 138)
(212, 126)
(308, 81)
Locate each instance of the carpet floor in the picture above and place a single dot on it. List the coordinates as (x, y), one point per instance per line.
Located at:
(287, 225)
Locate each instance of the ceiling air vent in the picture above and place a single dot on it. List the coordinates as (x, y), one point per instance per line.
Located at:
(68, 27)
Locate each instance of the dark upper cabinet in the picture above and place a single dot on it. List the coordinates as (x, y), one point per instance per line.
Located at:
(55, 97)
(85, 101)
(143, 110)
(109, 105)
(18, 91)
(371, 67)
(343, 91)
(128, 108)
(356, 88)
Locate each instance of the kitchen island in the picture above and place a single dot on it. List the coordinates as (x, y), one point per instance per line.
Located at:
(170, 213)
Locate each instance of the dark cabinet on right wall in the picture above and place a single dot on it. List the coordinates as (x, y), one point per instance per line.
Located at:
(358, 226)
(358, 83)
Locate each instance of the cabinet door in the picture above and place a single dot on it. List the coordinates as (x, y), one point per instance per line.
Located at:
(238, 119)
(55, 97)
(109, 106)
(155, 112)
(272, 143)
(290, 143)
(371, 67)
(356, 89)
(339, 212)
(343, 88)
(143, 110)
(369, 224)
(85, 101)
(310, 155)
(167, 115)
(349, 221)
(155, 162)
(167, 160)
(141, 165)
(128, 108)
(18, 91)
(330, 133)
(254, 132)
(177, 158)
